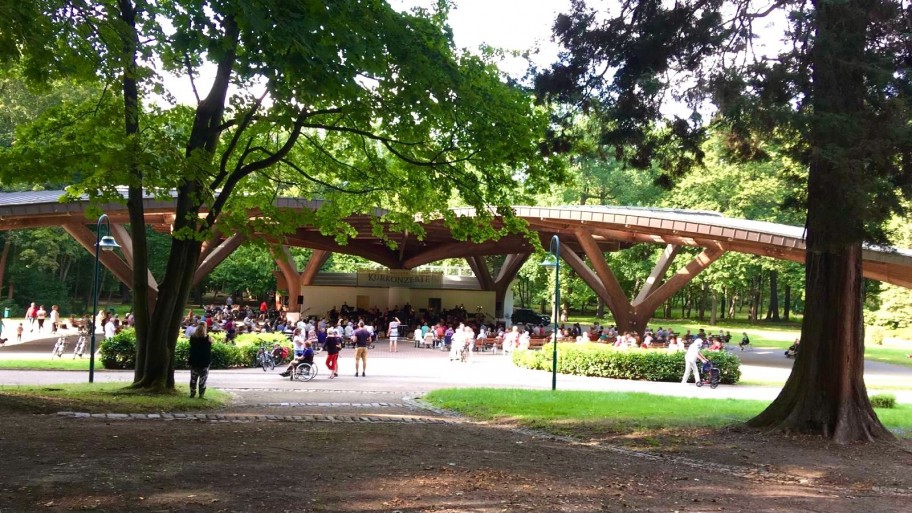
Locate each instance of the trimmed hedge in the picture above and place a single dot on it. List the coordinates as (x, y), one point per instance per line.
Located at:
(604, 361)
(883, 401)
(119, 351)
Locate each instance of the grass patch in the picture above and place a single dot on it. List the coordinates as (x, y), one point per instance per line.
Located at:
(49, 364)
(893, 355)
(103, 398)
(619, 412)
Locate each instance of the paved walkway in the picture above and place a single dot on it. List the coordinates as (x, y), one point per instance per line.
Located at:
(413, 371)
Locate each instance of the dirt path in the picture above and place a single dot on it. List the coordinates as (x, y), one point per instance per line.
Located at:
(357, 451)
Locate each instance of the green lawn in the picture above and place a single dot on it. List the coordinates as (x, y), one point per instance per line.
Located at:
(614, 411)
(894, 355)
(105, 398)
(49, 364)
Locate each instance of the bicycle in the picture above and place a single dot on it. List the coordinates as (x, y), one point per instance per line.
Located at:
(264, 359)
(80, 345)
(59, 347)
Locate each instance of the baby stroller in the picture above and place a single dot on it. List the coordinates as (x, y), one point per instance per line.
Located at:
(792, 351)
(709, 375)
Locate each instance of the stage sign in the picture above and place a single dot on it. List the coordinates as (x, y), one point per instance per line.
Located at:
(398, 278)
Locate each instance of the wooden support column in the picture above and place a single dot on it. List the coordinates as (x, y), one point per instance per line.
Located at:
(122, 236)
(511, 266)
(482, 274)
(285, 261)
(617, 301)
(586, 274)
(216, 254)
(87, 238)
(658, 272)
(644, 309)
(317, 258)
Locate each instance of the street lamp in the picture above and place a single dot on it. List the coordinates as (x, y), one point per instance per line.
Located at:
(553, 260)
(106, 243)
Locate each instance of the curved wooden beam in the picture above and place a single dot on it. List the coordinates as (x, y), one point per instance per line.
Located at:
(317, 259)
(87, 238)
(217, 255)
(482, 274)
(460, 249)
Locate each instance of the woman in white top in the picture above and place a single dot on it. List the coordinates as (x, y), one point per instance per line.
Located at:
(55, 318)
(393, 334)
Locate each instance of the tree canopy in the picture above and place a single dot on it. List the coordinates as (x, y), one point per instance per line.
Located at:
(350, 102)
(835, 93)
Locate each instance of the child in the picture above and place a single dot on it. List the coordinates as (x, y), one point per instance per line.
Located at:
(19, 333)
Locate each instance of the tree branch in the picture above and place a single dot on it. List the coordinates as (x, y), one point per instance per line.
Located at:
(245, 122)
(190, 75)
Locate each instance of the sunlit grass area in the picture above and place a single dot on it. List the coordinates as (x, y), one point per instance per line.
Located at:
(64, 363)
(614, 411)
(105, 398)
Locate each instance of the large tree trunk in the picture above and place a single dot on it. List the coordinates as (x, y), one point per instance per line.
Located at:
(787, 308)
(754, 311)
(713, 316)
(701, 307)
(772, 313)
(164, 328)
(826, 394)
(3, 258)
(157, 331)
(722, 302)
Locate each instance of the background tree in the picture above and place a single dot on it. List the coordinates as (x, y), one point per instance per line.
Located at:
(350, 102)
(835, 93)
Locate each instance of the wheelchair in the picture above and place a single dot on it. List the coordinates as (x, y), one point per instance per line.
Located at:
(304, 372)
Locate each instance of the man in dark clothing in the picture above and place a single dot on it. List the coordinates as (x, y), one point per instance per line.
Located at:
(362, 338)
(200, 359)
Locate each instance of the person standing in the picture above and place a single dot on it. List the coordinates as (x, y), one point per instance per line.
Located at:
(510, 341)
(393, 333)
(30, 316)
(361, 337)
(200, 359)
(40, 316)
(110, 329)
(55, 318)
(299, 347)
(690, 361)
(332, 347)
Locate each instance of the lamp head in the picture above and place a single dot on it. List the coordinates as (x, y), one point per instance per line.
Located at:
(550, 261)
(107, 243)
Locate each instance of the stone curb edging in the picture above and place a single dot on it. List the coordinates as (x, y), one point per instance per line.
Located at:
(329, 405)
(312, 390)
(234, 417)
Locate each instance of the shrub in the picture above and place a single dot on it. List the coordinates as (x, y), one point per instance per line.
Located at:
(119, 351)
(604, 361)
(875, 335)
(883, 401)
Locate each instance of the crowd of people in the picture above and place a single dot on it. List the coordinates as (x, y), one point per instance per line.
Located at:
(454, 331)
